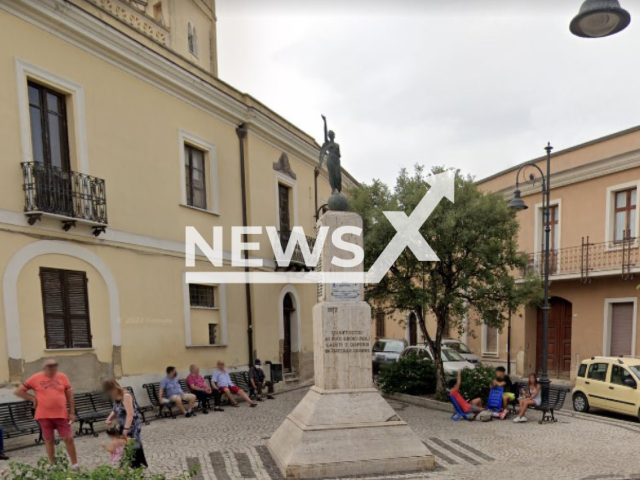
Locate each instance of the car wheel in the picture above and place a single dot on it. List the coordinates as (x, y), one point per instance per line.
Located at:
(580, 403)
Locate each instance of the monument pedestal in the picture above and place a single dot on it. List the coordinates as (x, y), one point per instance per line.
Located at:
(343, 426)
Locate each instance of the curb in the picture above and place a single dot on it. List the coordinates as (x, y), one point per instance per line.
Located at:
(420, 402)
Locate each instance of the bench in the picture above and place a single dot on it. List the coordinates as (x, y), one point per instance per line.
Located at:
(91, 408)
(223, 398)
(142, 410)
(16, 419)
(557, 396)
(153, 391)
(239, 379)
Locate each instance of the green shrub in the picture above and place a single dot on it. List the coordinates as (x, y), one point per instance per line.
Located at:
(476, 382)
(62, 471)
(409, 375)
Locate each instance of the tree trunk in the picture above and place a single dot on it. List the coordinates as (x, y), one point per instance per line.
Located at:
(435, 346)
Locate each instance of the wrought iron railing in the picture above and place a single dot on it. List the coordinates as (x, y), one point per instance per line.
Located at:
(297, 258)
(57, 191)
(589, 258)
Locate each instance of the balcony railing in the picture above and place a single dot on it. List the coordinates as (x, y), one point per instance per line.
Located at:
(70, 195)
(297, 259)
(589, 258)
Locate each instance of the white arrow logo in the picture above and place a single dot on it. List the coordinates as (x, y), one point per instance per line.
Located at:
(408, 227)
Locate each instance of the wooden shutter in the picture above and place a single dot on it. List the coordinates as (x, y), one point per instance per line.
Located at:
(621, 328)
(491, 340)
(78, 309)
(54, 308)
(65, 302)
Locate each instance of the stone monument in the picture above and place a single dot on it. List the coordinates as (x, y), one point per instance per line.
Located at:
(343, 426)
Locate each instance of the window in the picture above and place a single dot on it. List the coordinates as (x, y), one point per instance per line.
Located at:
(598, 371)
(195, 177)
(582, 370)
(202, 296)
(157, 13)
(621, 339)
(48, 118)
(490, 343)
(619, 375)
(624, 214)
(192, 39)
(380, 324)
(284, 207)
(65, 302)
(213, 331)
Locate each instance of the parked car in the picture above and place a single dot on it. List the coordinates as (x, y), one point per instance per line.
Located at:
(609, 383)
(461, 348)
(385, 352)
(452, 361)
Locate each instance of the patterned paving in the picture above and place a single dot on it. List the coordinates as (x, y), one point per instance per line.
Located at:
(231, 446)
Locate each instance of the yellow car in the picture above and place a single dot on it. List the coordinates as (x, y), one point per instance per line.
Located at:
(609, 383)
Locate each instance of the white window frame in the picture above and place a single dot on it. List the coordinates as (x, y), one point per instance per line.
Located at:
(293, 184)
(192, 32)
(485, 353)
(609, 217)
(211, 167)
(606, 330)
(538, 230)
(222, 307)
(26, 71)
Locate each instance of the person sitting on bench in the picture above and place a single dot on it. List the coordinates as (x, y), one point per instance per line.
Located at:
(532, 396)
(222, 381)
(259, 381)
(473, 407)
(171, 391)
(201, 390)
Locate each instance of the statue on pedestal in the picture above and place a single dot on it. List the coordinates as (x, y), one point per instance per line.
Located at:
(330, 149)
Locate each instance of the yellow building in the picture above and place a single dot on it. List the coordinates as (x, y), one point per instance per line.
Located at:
(117, 135)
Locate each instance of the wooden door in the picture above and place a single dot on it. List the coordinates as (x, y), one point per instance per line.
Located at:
(283, 208)
(559, 339)
(288, 309)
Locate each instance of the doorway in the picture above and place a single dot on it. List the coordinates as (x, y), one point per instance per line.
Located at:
(559, 339)
(413, 329)
(287, 309)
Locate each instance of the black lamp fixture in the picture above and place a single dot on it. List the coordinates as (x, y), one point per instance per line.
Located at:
(516, 202)
(600, 18)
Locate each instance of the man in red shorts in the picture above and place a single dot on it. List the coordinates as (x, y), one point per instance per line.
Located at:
(52, 395)
(222, 381)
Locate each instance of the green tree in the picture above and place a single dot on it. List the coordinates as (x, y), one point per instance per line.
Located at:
(475, 240)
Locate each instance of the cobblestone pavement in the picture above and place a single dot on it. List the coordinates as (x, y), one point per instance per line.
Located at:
(231, 445)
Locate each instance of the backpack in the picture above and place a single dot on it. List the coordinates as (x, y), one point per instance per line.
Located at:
(485, 416)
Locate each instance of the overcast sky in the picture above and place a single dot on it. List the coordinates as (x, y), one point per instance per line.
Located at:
(476, 84)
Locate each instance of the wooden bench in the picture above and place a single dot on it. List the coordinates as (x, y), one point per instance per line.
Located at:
(142, 410)
(91, 408)
(240, 379)
(153, 391)
(16, 419)
(555, 402)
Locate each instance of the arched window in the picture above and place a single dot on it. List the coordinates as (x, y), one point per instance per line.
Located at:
(192, 39)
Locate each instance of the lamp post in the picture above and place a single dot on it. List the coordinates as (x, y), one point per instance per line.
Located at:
(518, 204)
(600, 18)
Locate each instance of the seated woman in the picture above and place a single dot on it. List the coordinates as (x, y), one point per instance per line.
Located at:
(473, 407)
(532, 396)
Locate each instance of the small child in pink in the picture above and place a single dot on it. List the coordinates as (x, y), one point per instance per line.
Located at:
(115, 446)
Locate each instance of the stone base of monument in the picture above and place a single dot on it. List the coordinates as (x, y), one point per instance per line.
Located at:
(346, 433)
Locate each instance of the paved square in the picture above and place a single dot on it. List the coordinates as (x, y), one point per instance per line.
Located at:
(231, 445)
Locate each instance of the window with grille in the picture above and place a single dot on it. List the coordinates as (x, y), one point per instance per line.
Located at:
(380, 324)
(65, 302)
(213, 333)
(195, 177)
(202, 296)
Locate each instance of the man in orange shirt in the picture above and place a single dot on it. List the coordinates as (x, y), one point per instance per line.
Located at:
(52, 395)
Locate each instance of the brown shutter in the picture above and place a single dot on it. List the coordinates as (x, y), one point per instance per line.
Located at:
(491, 340)
(65, 302)
(78, 309)
(54, 307)
(621, 328)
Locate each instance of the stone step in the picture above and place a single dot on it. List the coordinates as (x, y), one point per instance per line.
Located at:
(292, 377)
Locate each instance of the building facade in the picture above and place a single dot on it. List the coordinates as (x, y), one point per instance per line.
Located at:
(594, 259)
(117, 135)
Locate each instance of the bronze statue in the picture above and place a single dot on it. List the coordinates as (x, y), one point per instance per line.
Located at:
(332, 150)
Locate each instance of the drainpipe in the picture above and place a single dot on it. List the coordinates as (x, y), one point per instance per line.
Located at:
(509, 344)
(241, 131)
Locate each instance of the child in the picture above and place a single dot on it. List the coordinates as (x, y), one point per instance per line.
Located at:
(115, 446)
(475, 406)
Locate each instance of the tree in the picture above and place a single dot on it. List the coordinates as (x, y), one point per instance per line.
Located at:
(475, 239)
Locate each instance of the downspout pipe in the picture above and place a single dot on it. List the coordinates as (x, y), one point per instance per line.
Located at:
(241, 131)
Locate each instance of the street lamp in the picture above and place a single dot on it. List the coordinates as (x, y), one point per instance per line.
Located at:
(600, 18)
(518, 204)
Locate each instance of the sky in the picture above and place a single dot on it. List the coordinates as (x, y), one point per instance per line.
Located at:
(479, 85)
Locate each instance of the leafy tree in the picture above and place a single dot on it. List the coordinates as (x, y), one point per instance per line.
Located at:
(475, 240)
